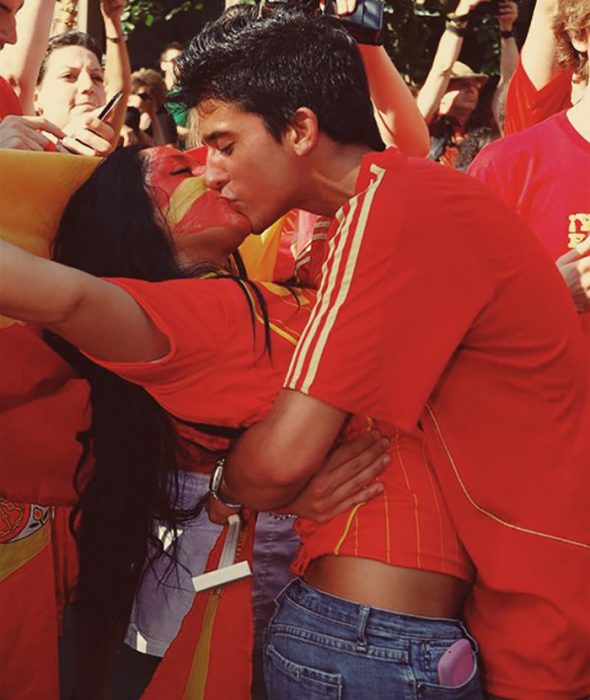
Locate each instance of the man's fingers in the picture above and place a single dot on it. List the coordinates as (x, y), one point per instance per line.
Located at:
(350, 450)
(362, 496)
(332, 494)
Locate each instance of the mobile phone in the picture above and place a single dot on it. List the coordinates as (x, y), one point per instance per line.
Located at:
(457, 664)
(109, 105)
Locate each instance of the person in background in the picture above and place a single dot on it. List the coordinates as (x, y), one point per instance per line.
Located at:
(148, 95)
(472, 144)
(541, 86)
(62, 81)
(177, 111)
(542, 172)
(451, 92)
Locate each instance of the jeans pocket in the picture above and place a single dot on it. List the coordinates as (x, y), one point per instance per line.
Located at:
(287, 680)
(469, 690)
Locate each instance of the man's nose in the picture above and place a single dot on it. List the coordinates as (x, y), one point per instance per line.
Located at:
(215, 177)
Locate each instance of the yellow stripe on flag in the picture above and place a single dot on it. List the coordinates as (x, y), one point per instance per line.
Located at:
(197, 680)
(13, 555)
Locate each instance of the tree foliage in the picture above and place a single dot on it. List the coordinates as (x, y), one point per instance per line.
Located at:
(148, 12)
(413, 29)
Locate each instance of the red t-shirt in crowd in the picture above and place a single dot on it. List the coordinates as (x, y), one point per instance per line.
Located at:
(527, 106)
(217, 373)
(543, 173)
(9, 102)
(438, 306)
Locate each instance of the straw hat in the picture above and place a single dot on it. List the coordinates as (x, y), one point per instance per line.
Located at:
(461, 71)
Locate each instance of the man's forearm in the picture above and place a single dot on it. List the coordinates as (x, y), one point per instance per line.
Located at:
(274, 460)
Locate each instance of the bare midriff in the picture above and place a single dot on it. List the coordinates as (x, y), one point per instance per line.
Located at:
(395, 588)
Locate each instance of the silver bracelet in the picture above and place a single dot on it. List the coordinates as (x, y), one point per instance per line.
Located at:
(215, 485)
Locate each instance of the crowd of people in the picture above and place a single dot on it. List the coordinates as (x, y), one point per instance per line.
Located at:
(389, 382)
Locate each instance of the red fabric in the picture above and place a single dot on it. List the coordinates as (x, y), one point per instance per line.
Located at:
(408, 525)
(42, 404)
(229, 662)
(9, 102)
(550, 193)
(215, 348)
(212, 357)
(527, 106)
(28, 631)
(439, 288)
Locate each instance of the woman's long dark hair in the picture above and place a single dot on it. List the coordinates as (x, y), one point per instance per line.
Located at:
(110, 229)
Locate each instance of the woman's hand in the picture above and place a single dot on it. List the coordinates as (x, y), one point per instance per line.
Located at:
(88, 136)
(112, 10)
(346, 479)
(508, 15)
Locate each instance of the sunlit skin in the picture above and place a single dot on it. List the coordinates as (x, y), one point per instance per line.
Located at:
(8, 12)
(203, 225)
(73, 84)
(238, 143)
(460, 99)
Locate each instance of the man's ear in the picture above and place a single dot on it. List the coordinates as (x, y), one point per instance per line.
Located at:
(303, 131)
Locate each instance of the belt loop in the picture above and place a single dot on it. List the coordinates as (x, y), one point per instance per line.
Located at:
(361, 643)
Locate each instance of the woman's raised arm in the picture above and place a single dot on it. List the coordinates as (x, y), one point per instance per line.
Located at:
(96, 316)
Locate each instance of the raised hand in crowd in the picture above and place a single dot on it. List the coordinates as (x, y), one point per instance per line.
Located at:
(449, 48)
(508, 57)
(508, 15)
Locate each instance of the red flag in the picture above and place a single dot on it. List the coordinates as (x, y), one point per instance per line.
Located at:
(211, 656)
(28, 631)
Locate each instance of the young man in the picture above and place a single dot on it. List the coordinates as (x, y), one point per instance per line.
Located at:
(550, 193)
(432, 316)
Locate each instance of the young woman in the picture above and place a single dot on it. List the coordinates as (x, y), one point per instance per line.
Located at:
(112, 227)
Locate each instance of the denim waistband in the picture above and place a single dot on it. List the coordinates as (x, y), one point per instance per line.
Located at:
(374, 620)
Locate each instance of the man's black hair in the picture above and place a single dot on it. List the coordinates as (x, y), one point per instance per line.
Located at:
(272, 61)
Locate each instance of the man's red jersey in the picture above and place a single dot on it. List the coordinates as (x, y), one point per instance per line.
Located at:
(439, 308)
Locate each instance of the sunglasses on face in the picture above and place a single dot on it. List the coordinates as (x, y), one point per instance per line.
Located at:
(144, 96)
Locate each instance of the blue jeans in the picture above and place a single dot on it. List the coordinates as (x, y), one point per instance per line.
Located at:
(320, 646)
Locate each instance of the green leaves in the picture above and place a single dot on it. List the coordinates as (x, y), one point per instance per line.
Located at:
(149, 12)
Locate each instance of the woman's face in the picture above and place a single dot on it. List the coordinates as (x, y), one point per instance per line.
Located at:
(204, 226)
(73, 84)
